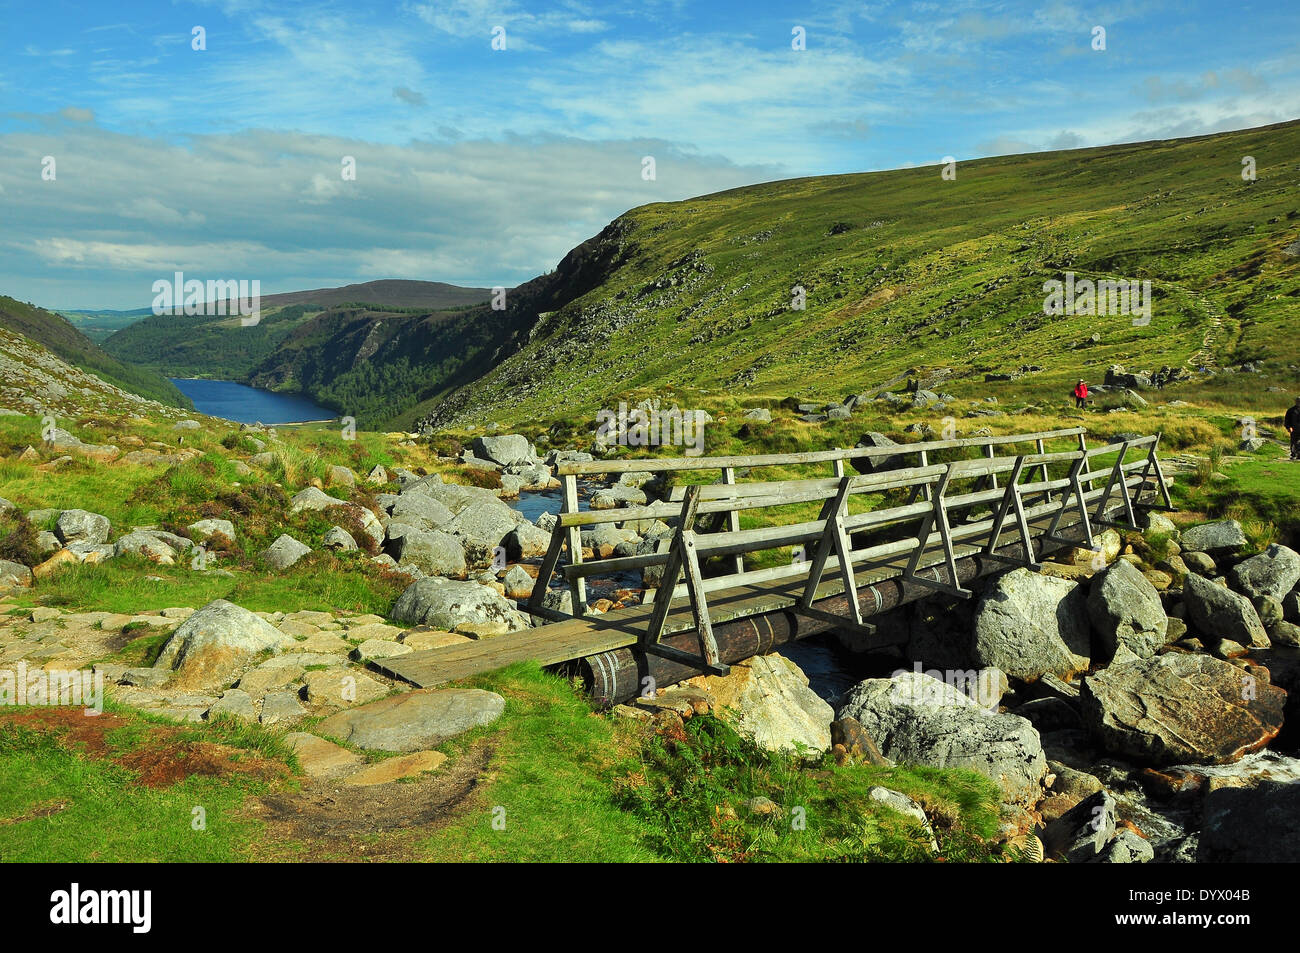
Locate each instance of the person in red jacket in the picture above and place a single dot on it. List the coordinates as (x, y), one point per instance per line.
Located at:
(1080, 395)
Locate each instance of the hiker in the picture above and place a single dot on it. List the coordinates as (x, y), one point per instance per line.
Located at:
(1081, 395)
(1292, 424)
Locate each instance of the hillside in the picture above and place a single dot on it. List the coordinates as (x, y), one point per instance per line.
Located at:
(904, 271)
(100, 325)
(56, 335)
(219, 346)
(386, 293)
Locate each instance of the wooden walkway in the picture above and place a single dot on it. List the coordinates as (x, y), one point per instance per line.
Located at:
(920, 541)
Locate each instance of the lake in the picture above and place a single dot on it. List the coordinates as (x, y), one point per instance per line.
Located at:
(248, 405)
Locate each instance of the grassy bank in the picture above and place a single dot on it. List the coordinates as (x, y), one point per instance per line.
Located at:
(560, 781)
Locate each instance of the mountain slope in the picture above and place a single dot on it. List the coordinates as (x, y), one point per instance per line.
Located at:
(905, 270)
(35, 381)
(57, 335)
(220, 346)
(374, 365)
(385, 292)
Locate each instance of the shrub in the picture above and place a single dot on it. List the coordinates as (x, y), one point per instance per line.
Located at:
(19, 540)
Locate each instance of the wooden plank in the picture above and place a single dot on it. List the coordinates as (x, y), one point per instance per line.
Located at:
(824, 545)
(699, 605)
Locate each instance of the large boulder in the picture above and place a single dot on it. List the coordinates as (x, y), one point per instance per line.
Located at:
(478, 518)
(505, 449)
(1181, 709)
(81, 526)
(1126, 612)
(767, 697)
(313, 498)
(147, 545)
(1217, 612)
(526, 541)
(618, 495)
(482, 526)
(918, 719)
(212, 527)
(414, 721)
(421, 510)
(1274, 572)
(1082, 833)
(284, 552)
(876, 464)
(445, 604)
(1221, 538)
(1251, 825)
(1029, 625)
(215, 643)
(430, 551)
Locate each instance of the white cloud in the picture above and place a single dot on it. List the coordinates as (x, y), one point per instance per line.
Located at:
(127, 210)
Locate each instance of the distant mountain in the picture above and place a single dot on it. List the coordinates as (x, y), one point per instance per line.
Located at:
(58, 336)
(220, 346)
(385, 293)
(98, 325)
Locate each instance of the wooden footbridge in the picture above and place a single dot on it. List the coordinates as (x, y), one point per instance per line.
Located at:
(910, 520)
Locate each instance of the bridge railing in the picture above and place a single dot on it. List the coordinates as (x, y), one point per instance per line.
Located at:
(935, 520)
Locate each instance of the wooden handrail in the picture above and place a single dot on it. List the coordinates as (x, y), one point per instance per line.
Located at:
(661, 464)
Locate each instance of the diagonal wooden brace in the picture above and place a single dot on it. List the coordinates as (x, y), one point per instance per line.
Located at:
(682, 557)
(938, 517)
(1116, 476)
(835, 537)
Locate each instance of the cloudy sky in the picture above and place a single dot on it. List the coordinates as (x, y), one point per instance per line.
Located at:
(483, 166)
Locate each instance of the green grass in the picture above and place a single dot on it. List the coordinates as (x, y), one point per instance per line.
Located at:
(1260, 491)
(571, 785)
(580, 786)
(59, 805)
(120, 585)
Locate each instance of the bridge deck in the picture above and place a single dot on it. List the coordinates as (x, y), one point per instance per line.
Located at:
(589, 635)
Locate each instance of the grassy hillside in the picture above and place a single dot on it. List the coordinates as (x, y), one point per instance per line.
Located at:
(385, 293)
(202, 345)
(904, 271)
(100, 325)
(63, 340)
(219, 346)
(365, 363)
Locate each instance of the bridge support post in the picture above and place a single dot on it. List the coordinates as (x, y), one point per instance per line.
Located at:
(1116, 476)
(937, 518)
(577, 586)
(1153, 463)
(682, 557)
(1076, 487)
(1012, 503)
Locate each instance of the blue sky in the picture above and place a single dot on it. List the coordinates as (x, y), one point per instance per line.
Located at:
(483, 167)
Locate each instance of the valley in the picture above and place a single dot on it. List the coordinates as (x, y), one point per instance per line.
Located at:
(244, 590)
